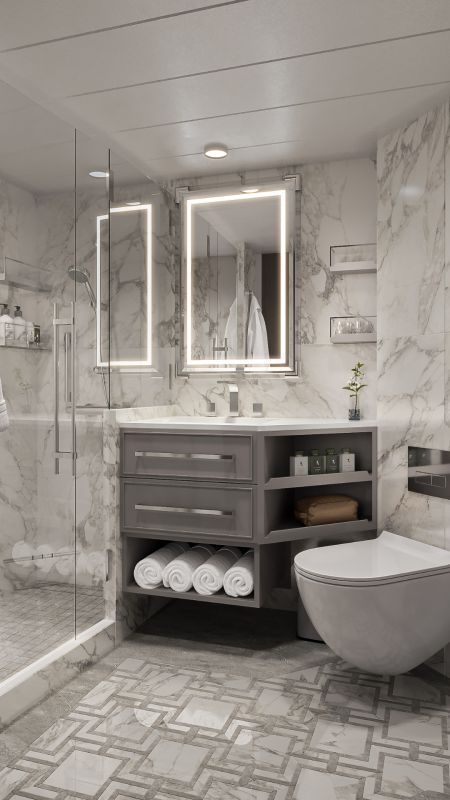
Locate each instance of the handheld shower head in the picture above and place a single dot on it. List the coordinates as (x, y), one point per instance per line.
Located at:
(81, 275)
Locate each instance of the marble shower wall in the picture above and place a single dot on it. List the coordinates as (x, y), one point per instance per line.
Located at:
(413, 317)
(337, 206)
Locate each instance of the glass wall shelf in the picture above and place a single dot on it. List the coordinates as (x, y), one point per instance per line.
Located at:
(353, 258)
(345, 330)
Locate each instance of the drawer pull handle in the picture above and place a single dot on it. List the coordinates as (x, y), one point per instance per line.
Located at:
(209, 512)
(185, 456)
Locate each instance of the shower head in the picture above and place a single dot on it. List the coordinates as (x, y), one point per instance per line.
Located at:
(81, 275)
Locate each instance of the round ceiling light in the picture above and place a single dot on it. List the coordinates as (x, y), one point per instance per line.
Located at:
(133, 203)
(215, 151)
(99, 173)
(249, 189)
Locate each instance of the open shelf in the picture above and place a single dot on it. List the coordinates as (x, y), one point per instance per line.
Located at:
(219, 597)
(31, 348)
(361, 267)
(288, 530)
(326, 479)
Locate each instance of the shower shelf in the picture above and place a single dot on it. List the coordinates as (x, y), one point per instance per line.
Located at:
(34, 347)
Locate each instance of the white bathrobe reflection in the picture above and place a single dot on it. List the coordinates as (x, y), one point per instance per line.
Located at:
(255, 336)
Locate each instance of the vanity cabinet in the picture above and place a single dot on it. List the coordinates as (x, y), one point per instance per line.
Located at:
(233, 487)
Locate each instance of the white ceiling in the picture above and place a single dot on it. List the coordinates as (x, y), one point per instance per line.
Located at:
(279, 81)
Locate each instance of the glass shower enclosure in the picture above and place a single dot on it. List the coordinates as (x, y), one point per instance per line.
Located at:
(55, 561)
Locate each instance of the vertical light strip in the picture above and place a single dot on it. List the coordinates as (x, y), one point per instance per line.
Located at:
(149, 296)
(283, 276)
(188, 281)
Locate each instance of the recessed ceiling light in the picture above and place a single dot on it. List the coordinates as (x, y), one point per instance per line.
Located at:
(99, 173)
(215, 151)
(133, 203)
(250, 189)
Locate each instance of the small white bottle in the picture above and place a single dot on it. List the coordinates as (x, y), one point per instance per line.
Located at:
(6, 327)
(20, 328)
(298, 464)
(346, 461)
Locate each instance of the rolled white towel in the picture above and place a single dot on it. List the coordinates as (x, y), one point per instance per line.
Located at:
(148, 573)
(4, 421)
(239, 579)
(208, 579)
(179, 573)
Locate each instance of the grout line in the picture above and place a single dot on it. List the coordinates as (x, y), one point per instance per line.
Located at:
(122, 25)
(285, 106)
(263, 62)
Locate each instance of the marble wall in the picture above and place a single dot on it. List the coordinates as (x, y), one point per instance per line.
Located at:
(337, 205)
(413, 318)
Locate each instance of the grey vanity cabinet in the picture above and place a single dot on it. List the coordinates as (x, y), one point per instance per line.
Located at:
(196, 510)
(185, 455)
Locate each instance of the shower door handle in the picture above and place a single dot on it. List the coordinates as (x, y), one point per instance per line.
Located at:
(69, 344)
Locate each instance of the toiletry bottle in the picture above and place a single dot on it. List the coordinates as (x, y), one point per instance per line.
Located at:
(332, 460)
(316, 463)
(20, 327)
(347, 460)
(30, 333)
(298, 464)
(6, 327)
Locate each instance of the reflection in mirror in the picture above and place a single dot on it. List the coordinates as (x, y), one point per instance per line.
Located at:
(124, 258)
(238, 261)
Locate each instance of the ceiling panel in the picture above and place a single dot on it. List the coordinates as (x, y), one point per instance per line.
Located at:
(370, 69)
(219, 38)
(339, 129)
(26, 21)
(31, 126)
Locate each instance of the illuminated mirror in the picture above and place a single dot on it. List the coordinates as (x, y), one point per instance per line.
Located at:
(238, 280)
(124, 259)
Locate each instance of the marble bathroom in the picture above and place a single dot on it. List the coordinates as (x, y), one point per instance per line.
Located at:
(224, 400)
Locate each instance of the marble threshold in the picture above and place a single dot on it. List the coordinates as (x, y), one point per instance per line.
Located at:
(27, 687)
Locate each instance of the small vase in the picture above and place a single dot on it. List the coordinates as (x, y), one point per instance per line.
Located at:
(354, 413)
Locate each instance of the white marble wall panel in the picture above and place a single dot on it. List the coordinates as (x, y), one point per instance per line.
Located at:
(412, 345)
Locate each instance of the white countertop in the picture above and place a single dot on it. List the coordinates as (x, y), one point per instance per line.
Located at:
(248, 424)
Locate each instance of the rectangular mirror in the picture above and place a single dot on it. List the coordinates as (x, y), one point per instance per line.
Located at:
(124, 267)
(237, 287)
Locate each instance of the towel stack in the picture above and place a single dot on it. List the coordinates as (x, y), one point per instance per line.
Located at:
(4, 421)
(179, 567)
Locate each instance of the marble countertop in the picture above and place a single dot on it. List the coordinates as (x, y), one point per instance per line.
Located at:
(249, 424)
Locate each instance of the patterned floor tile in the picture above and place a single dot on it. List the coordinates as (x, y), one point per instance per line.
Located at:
(159, 732)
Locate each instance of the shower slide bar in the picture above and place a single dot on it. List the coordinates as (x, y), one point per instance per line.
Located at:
(37, 558)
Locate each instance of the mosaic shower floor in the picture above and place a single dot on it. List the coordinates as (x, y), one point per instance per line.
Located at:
(298, 726)
(34, 621)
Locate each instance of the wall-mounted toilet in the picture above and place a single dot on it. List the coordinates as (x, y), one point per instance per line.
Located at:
(382, 605)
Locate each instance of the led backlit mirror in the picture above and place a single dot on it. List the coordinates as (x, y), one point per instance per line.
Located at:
(238, 280)
(124, 258)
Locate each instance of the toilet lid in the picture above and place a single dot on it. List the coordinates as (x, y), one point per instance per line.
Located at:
(383, 560)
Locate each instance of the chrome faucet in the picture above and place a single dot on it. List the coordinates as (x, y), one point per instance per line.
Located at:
(234, 398)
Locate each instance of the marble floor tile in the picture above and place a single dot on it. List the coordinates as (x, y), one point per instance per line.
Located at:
(423, 728)
(339, 737)
(313, 784)
(206, 713)
(411, 778)
(175, 760)
(82, 772)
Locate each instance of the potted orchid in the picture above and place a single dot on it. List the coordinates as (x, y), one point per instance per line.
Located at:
(354, 386)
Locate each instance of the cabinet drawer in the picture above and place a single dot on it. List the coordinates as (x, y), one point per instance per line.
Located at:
(187, 456)
(187, 508)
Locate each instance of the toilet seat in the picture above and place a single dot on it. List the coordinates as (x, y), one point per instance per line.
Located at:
(388, 559)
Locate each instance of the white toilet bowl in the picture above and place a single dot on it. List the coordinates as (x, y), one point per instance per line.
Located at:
(383, 605)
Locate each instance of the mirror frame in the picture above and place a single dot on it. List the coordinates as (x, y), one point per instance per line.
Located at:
(148, 362)
(282, 363)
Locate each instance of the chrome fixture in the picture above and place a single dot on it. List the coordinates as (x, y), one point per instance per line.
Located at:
(217, 349)
(233, 391)
(81, 275)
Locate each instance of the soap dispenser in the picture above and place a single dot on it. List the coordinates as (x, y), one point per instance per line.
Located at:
(20, 328)
(6, 326)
